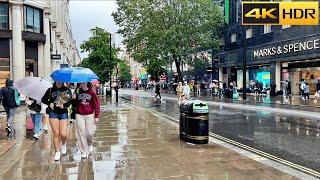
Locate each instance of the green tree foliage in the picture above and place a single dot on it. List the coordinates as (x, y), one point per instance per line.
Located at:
(98, 49)
(199, 68)
(124, 74)
(166, 31)
(155, 69)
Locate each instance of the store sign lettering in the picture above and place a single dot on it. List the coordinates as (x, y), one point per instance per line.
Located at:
(287, 48)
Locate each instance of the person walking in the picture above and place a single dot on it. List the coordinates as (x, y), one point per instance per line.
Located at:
(88, 111)
(198, 89)
(58, 98)
(306, 91)
(10, 102)
(157, 91)
(34, 109)
(179, 90)
(186, 90)
(302, 87)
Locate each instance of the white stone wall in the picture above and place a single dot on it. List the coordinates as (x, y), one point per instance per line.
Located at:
(56, 14)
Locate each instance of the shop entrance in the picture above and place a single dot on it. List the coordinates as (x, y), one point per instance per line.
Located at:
(296, 72)
(31, 67)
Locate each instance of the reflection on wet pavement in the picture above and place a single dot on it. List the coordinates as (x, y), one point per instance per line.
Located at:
(293, 138)
(131, 144)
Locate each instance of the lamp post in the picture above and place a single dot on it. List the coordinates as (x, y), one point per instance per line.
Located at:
(110, 56)
(244, 63)
(117, 85)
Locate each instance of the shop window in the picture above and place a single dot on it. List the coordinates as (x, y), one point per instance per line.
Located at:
(267, 29)
(233, 38)
(4, 70)
(4, 18)
(32, 19)
(249, 33)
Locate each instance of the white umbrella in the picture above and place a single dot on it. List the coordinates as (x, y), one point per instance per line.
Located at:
(33, 87)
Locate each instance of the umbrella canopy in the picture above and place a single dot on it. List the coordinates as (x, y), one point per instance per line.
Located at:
(74, 75)
(95, 82)
(33, 87)
(216, 81)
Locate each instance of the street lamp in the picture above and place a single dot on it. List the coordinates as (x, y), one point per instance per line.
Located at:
(244, 63)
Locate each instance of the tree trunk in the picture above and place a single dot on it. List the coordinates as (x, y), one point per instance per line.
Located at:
(177, 61)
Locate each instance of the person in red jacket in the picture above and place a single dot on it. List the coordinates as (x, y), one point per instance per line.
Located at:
(87, 115)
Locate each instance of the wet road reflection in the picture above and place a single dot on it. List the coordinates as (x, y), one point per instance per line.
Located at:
(290, 137)
(131, 144)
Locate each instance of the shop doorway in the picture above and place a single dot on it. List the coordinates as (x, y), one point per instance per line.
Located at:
(31, 67)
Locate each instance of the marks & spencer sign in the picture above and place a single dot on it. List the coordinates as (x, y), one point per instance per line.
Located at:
(287, 48)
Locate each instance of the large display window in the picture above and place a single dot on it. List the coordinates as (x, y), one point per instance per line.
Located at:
(295, 75)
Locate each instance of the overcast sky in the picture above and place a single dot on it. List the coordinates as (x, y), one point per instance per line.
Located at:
(87, 14)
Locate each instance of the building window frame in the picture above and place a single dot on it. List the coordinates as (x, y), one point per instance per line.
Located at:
(249, 33)
(233, 38)
(7, 6)
(267, 29)
(286, 26)
(32, 28)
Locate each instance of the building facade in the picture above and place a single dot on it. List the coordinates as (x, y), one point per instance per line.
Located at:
(35, 38)
(273, 53)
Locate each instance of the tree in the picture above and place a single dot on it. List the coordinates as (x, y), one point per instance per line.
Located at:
(199, 68)
(155, 69)
(167, 31)
(125, 75)
(98, 47)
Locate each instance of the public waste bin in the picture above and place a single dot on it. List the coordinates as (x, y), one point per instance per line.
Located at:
(194, 122)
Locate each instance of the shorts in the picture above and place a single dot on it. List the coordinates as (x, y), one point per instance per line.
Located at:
(63, 116)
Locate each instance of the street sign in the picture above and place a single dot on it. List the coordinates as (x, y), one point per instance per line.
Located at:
(56, 56)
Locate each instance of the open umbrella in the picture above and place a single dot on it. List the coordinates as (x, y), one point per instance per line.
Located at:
(33, 87)
(74, 75)
(95, 82)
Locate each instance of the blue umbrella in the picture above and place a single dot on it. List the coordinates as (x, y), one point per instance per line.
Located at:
(74, 75)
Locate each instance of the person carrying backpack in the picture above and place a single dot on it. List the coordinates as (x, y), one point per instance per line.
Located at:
(10, 102)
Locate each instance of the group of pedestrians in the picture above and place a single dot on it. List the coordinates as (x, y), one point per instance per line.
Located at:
(55, 105)
(183, 91)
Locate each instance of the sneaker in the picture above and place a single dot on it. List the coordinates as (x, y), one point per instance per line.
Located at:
(9, 130)
(83, 156)
(57, 156)
(45, 129)
(91, 149)
(36, 136)
(64, 149)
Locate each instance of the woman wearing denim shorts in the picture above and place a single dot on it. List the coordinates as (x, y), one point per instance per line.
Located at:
(58, 99)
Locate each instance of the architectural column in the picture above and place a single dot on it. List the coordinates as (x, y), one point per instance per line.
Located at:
(41, 67)
(18, 61)
(220, 74)
(46, 49)
(276, 74)
(54, 46)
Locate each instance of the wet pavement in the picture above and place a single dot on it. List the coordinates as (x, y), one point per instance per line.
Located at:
(293, 138)
(129, 143)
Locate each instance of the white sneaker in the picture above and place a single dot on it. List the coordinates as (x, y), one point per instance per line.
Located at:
(36, 136)
(91, 149)
(84, 156)
(64, 149)
(45, 129)
(57, 156)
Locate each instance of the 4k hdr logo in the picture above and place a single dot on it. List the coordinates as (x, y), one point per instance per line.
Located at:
(280, 13)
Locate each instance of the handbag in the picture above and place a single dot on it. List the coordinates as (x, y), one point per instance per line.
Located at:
(35, 107)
